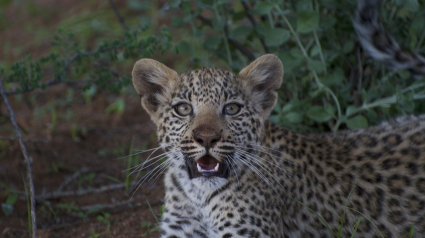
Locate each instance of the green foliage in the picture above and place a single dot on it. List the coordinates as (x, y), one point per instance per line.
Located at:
(316, 43)
(328, 85)
(70, 62)
(105, 219)
(94, 234)
(148, 224)
(11, 198)
(117, 106)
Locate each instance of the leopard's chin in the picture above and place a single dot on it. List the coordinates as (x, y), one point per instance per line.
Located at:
(207, 166)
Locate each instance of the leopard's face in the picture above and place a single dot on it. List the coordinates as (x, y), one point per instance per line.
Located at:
(209, 120)
(205, 122)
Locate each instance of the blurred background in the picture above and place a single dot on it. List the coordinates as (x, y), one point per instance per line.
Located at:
(66, 69)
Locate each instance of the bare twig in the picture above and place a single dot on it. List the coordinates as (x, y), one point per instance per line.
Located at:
(236, 44)
(27, 160)
(123, 205)
(252, 20)
(106, 208)
(25, 140)
(58, 194)
(120, 18)
(72, 177)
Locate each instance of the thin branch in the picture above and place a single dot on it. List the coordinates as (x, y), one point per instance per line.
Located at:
(58, 194)
(72, 177)
(252, 20)
(123, 205)
(236, 44)
(27, 160)
(120, 18)
(106, 208)
(25, 140)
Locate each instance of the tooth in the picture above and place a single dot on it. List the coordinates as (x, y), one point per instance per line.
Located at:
(216, 167)
(199, 167)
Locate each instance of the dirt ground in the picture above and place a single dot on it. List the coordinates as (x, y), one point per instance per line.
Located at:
(93, 155)
(75, 148)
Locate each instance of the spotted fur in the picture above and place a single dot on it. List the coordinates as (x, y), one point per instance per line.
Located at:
(277, 177)
(379, 170)
(380, 45)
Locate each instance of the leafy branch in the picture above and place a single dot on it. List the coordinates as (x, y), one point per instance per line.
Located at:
(29, 73)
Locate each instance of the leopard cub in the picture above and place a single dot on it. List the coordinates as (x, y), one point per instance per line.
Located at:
(231, 173)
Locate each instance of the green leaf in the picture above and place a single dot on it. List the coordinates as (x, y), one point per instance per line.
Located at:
(177, 22)
(412, 231)
(307, 21)
(204, 4)
(329, 109)
(95, 208)
(277, 36)
(212, 42)
(327, 22)
(289, 61)
(406, 102)
(413, 38)
(335, 78)
(372, 94)
(293, 117)
(315, 51)
(411, 5)
(262, 8)
(11, 199)
(174, 3)
(350, 110)
(197, 33)
(139, 5)
(348, 46)
(118, 107)
(185, 47)
(418, 23)
(302, 5)
(316, 65)
(240, 32)
(319, 114)
(358, 121)
(7, 209)
(187, 7)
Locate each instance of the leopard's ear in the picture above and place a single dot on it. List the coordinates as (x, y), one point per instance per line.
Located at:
(152, 80)
(262, 79)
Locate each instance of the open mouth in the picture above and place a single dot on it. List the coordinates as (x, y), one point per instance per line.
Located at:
(207, 166)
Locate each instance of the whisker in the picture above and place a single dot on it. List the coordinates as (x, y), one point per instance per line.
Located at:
(230, 162)
(136, 185)
(277, 151)
(272, 164)
(255, 170)
(140, 167)
(266, 168)
(271, 155)
(139, 152)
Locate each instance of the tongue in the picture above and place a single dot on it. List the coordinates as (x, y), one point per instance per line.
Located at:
(207, 162)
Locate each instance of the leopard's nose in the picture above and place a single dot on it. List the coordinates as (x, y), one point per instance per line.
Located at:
(208, 140)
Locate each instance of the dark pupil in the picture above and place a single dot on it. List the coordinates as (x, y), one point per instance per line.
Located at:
(184, 108)
(231, 109)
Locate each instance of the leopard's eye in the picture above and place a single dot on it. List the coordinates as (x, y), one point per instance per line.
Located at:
(183, 109)
(231, 109)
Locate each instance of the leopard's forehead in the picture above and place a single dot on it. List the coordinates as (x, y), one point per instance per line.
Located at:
(208, 85)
